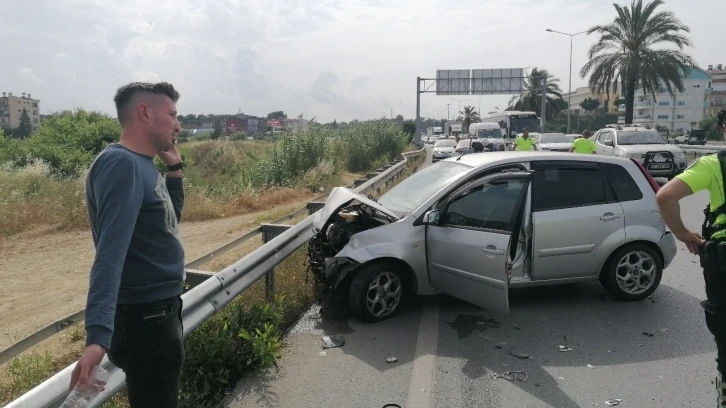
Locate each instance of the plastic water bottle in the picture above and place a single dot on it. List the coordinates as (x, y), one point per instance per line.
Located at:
(82, 398)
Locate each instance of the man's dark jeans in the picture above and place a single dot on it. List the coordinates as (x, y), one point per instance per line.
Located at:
(148, 345)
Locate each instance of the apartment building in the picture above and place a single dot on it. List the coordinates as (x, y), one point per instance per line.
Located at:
(675, 112)
(11, 107)
(581, 93)
(716, 94)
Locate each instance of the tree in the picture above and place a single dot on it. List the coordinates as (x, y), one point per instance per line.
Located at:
(26, 128)
(277, 115)
(590, 104)
(469, 115)
(629, 54)
(531, 98)
(217, 133)
(693, 124)
(710, 125)
(409, 127)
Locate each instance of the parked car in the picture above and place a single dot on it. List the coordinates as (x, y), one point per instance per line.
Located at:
(477, 225)
(464, 144)
(443, 149)
(646, 145)
(555, 142)
(693, 137)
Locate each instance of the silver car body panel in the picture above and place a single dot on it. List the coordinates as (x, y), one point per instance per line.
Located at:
(340, 197)
(625, 221)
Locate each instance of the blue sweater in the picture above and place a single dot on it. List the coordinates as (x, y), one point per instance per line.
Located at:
(134, 213)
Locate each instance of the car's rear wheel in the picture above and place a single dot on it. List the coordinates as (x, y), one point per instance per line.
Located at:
(633, 272)
(376, 292)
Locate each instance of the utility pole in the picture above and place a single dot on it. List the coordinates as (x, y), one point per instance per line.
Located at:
(569, 91)
(417, 138)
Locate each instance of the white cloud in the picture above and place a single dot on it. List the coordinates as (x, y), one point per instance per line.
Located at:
(328, 59)
(28, 74)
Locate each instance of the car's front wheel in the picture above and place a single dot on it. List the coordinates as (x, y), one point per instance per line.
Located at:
(376, 292)
(632, 272)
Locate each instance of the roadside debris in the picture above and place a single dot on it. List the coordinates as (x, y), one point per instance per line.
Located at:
(565, 348)
(613, 402)
(648, 334)
(500, 345)
(333, 341)
(322, 354)
(517, 327)
(512, 376)
(521, 356)
(390, 360)
(590, 366)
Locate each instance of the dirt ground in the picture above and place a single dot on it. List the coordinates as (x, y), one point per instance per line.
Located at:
(45, 275)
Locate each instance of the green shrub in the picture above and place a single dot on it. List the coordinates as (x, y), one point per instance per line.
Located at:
(240, 339)
(23, 374)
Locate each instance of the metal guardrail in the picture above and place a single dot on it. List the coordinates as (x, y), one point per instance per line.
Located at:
(210, 295)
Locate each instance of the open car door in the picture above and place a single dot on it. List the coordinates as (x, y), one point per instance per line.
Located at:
(469, 239)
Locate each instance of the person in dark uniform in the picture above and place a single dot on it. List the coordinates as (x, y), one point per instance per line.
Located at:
(707, 173)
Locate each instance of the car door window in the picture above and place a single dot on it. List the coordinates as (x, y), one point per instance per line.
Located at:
(568, 186)
(490, 206)
(605, 135)
(623, 185)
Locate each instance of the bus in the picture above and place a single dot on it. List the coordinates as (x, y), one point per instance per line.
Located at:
(513, 122)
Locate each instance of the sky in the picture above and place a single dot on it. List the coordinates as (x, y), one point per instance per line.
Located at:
(327, 59)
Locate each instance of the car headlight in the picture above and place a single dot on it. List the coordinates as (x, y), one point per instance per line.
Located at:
(680, 155)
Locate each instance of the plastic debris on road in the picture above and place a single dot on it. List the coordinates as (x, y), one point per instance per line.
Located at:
(322, 354)
(512, 376)
(590, 366)
(648, 334)
(333, 341)
(521, 356)
(613, 402)
(391, 360)
(564, 349)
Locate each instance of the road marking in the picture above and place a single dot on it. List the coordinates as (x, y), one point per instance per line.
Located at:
(424, 363)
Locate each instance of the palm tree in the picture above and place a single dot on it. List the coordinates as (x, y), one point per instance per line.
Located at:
(469, 115)
(531, 98)
(625, 55)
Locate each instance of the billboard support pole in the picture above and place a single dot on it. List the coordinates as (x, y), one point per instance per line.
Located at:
(418, 110)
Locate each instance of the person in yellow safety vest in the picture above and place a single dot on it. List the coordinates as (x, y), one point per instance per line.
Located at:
(707, 173)
(583, 144)
(525, 143)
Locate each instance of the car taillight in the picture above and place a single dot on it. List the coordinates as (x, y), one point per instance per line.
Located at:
(651, 180)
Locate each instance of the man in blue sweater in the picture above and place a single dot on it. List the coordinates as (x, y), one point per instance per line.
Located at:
(133, 311)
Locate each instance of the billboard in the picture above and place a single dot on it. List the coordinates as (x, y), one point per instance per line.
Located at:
(273, 123)
(452, 82)
(500, 81)
(252, 126)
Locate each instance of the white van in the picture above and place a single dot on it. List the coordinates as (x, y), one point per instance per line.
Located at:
(489, 133)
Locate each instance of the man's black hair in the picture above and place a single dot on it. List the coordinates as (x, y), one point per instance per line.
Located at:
(477, 147)
(126, 93)
(721, 118)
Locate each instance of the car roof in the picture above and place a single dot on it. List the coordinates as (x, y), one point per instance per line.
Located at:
(493, 158)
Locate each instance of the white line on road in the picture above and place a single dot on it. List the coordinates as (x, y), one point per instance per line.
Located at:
(420, 389)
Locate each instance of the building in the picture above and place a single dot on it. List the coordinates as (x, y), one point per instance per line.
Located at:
(244, 123)
(577, 96)
(295, 124)
(675, 112)
(11, 107)
(716, 94)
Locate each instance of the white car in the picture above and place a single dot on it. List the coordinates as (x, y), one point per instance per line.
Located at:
(554, 142)
(649, 147)
(443, 149)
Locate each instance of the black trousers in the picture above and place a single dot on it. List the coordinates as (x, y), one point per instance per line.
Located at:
(148, 345)
(715, 310)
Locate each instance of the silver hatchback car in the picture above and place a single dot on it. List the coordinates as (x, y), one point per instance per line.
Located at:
(475, 226)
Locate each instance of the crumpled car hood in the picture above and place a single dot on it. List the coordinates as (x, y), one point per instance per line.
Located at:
(340, 197)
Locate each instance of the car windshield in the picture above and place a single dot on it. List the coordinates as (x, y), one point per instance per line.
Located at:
(640, 137)
(489, 134)
(554, 138)
(445, 143)
(419, 187)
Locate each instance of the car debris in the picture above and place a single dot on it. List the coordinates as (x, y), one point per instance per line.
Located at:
(648, 334)
(564, 349)
(390, 360)
(333, 341)
(512, 376)
(521, 356)
(613, 402)
(322, 354)
(590, 366)
(517, 327)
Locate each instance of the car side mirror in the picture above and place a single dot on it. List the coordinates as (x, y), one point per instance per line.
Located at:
(431, 218)
(608, 143)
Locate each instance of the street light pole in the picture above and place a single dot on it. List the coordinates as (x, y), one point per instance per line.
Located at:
(569, 90)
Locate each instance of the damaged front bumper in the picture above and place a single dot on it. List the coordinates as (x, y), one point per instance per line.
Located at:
(337, 270)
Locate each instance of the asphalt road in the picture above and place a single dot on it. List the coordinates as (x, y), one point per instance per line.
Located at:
(448, 352)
